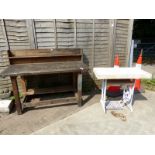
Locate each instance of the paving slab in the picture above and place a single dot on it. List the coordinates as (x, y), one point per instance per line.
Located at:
(92, 120)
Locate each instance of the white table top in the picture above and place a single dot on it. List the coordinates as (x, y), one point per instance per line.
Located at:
(121, 73)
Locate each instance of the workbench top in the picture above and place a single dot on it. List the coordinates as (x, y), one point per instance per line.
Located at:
(121, 73)
(44, 68)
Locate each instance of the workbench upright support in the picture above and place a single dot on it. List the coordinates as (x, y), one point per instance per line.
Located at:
(79, 89)
(16, 95)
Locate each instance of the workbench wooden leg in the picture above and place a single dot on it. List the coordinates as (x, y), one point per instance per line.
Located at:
(16, 95)
(79, 89)
(74, 81)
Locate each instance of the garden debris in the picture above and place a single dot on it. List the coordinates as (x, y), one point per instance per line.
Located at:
(119, 115)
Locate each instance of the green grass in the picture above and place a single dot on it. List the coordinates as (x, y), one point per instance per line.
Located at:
(149, 84)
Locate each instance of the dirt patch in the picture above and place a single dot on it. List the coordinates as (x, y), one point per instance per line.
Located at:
(119, 115)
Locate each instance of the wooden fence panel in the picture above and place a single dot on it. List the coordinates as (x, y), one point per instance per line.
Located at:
(100, 39)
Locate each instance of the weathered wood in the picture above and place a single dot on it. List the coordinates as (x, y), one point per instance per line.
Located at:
(58, 89)
(64, 101)
(45, 52)
(36, 59)
(55, 33)
(5, 34)
(75, 36)
(16, 95)
(79, 89)
(30, 28)
(129, 40)
(44, 68)
(93, 45)
(17, 33)
(23, 83)
(23, 60)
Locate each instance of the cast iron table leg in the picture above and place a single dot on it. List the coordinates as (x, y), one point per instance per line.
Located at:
(16, 95)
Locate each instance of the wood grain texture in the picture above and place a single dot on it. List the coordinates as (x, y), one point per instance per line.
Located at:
(19, 35)
(43, 68)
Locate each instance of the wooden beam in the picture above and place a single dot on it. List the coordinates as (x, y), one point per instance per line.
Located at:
(34, 34)
(75, 34)
(79, 89)
(93, 45)
(57, 89)
(30, 30)
(130, 31)
(5, 34)
(16, 95)
(55, 33)
(112, 39)
(67, 100)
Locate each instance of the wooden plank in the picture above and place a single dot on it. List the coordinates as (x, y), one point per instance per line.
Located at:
(27, 60)
(65, 20)
(68, 100)
(74, 82)
(16, 29)
(44, 68)
(5, 34)
(121, 21)
(55, 33)
(18, 23)
(129, 40)
(57, 89)
(43, 20)
(102, 21)
(75, 33)
(31, 33)
(93, 46)
(19, 46)
(44, 24)
(65, 25)
(45, 52)
(17, 34)
(79, 89)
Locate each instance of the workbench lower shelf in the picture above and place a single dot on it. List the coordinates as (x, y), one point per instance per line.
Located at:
(39, 102)
(57, 89)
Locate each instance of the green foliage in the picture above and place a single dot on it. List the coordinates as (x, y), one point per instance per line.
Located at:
(20, 95)
(149, 84)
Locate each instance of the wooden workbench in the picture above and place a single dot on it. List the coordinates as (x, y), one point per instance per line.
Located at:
(29, 63)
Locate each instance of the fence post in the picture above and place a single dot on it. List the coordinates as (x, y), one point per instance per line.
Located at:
(75, 34)
(93, 44)
(31, 33)
(130, 30)
(131, 54)
(112, 39)
(55, 34)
